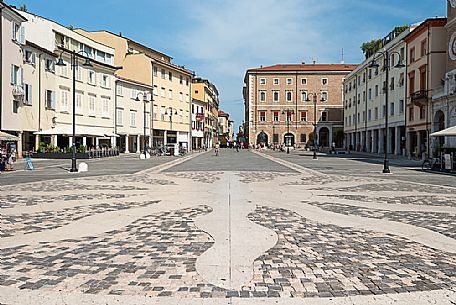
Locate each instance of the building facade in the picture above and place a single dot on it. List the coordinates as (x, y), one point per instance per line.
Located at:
(198, 111)
(12, 105)
(444, 98)
(365, 108)
(206, 93)
(47, 42)
(426, 63)
(171, 106)
(279, 104)
(224, 130)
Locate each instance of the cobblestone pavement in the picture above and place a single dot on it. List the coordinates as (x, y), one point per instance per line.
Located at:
(167, 235)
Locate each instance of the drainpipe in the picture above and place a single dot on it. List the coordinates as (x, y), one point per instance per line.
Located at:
(406, 76)
(39, 99)
(1, 64)
(428, 101)
(365, 112)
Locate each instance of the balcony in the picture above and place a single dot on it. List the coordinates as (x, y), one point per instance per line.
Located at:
(419, 98)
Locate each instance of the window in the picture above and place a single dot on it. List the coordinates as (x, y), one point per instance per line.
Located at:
(369, 115)
(14, 74)
(303, 96)
(376, 90)
(262, 96)
(64, 100)
(411, 113)
(119, 89)
(162, 113)
(276, 81)
(364, 96)
(289, 96)
(324, 96)
(163, 72)
(303, 138)
(423, 47)
(105, 108)
(155, 71)
(392, 83)
(132, 118)
(370, 93)
(303, 116)
(15, 106)
(91, 105)
(119, 119)
(105, 81)
(29, 57)
(376, 113)
(364, 115)
(181, 96)
(78, 103)
(401, 106)
(349, 121)
(275, 95)
(370, 73)
(324, 81)
(376, 70)
(383, 111)
(187, 98)
(359, 98)
(162, 92)
(275, 138)
(412, 55)
(275, 116)
(181, 79)
(64, 69)
(27, 94)
(324, 116)
(392, 108)
(91, 78)
(79, 73)
(401, 80)
(155, 90)
(154, 111)
(186, 81)
(181, 115)
(359, 118)
(170, 94)
(170, 76)
(50, 99)
(262, 116)
(289, 116)
(422, 112)
(303, 81)
(262, 81)
(50, 65)
(289, 81)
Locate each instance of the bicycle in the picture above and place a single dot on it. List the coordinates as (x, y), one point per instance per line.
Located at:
(216, 152)
(431, 163)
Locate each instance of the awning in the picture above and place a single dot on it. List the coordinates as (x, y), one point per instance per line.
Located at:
(449, 132)
(67, 130)
(8, 137)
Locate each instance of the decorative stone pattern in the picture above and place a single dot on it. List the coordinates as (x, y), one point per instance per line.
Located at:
(251, 177)
(27, 223)
(449, 200)
(69, 185)
(145, 179)
(153, 256)
(315, 260)
(203, 177)
(442, 223)
(397, 187)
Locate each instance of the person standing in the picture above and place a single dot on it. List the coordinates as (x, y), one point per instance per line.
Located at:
(217, 147)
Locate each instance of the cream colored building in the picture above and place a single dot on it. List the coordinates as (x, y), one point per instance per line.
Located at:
(198, 118)
(12, 109)
(171, 106)
(94, 90)
(364, 100)
(206, 93)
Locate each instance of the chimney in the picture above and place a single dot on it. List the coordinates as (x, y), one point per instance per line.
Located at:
(303, 63)
(313, 61)
(120, 34)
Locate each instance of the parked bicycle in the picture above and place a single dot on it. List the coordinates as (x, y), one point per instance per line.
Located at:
(432, 163)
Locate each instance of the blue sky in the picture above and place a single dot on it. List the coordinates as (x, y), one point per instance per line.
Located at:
(220, 39)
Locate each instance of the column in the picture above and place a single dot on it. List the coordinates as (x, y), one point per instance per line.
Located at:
(70, 139)
(84, 141)
(127, 147)
(165, 137)
(54, 140)
(380, 141)
(397, 148)
(19, 144)
(114, 141)
(37, 142)
(97, 142)
(149, 141)
(138, 144)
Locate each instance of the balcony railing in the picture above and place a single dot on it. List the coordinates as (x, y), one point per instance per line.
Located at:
(419, 97)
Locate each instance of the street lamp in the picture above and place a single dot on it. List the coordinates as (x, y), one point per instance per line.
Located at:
(74, 65)
(144, 94)
(171, 116)
(314, 97)
(386, 67)
(288, 112)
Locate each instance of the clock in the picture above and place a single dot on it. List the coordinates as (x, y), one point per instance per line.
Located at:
(453, 3)
(452, 46)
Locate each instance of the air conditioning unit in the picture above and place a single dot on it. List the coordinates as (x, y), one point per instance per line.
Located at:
(18, 93)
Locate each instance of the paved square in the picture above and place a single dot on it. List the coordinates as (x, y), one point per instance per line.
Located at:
(241, 228)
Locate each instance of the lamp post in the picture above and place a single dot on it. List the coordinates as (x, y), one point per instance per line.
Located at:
(144, 94)
(288, 112)
(314, 98)
(74, 66)
(386, 67)
(171, 116)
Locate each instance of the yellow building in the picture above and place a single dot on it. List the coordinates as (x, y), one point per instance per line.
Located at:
(171, 120)
(206, 92)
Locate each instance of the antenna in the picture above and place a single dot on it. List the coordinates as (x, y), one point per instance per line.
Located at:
(343, 60)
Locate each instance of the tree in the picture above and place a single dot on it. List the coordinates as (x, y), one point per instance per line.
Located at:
(371, 47)
(23, 8)
(401, 28)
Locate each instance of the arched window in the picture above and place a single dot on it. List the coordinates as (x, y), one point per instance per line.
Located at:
(262, 96)
(276, 96)
(289, 96)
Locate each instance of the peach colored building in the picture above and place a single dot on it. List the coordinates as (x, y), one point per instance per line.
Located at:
(277, 106)
(12, 72)
(204, 92)
(426, 63)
